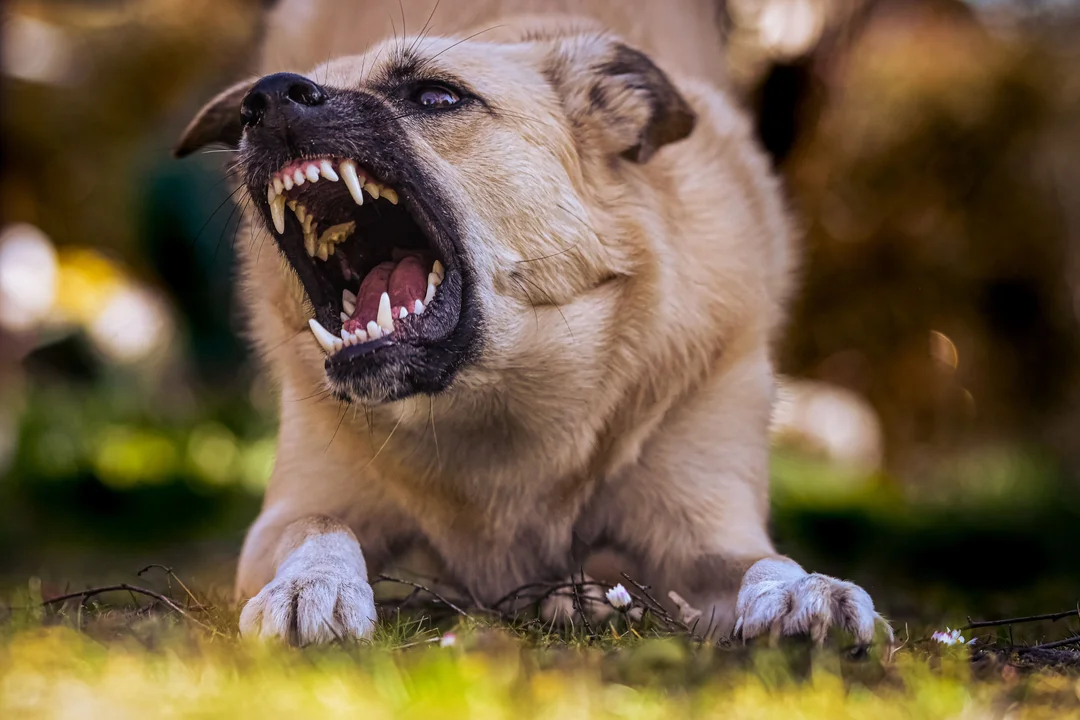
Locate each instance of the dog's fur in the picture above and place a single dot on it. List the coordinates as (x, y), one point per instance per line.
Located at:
(630, 257)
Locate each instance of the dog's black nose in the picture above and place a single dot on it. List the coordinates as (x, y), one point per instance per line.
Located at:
(279, 93)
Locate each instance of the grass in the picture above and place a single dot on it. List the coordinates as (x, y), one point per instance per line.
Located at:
(120, 657)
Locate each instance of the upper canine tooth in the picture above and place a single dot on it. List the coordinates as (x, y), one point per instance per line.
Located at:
(345, 317)
(434, 279)
(312, 173)
(328, 171)
(323, 335)
(384, 318)
(391, 195)
(298, 177)
(438, 269)
(348, 296)
(352, 180)
(277, 213)
(287, 181)
(373, 189)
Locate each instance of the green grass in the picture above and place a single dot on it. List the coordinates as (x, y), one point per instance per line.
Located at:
(113, 661)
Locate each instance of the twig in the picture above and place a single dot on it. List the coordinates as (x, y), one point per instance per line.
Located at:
(174, 576)
(1057, 643)
(85, 595)
(581, 608)
(657, 608)
(1012, 621)
(429, 591)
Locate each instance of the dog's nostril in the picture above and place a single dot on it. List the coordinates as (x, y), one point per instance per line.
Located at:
(253, 108)
(305, 92)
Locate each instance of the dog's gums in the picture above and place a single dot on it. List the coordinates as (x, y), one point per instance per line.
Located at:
(372, 255)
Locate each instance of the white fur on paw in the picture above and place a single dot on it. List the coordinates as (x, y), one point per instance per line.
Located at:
(782, 599)
(319, 595)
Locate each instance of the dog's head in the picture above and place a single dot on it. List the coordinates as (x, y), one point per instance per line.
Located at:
(408, 189)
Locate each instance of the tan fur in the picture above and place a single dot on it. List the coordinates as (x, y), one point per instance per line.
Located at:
(624, 388)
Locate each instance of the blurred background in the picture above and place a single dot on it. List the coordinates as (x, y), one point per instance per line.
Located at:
(928, 435)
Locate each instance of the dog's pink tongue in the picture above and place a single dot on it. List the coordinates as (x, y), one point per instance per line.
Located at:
(405, 281)
(407, 284)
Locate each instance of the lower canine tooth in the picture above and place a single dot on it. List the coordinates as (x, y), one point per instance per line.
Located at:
(352, 180)
(438, 269)
(279, 186)
(384, 318)
(326, 340)
(277, 213)
(434, 279)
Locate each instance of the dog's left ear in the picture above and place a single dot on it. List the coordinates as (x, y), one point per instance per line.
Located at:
(616, 98)
(217, 122)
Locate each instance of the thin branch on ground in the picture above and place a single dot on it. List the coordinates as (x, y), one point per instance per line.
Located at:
(429, 591)
(1052, 617)
(1057, 643)
(85, 595)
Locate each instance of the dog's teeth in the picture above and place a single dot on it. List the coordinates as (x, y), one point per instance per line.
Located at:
(439, 270)
(373, 190)
(277, 213)
(312, 173)
(279, 187)
(348, 305)
(330, 248)
(270, 194)
(402, 312)
(337, 233)
(347, 337)
(309, 244)
(391, 195)
(348, 297)
(298, 177)
(352, 180)
(374, 331)
(361, 336)
(287, 182)
(328, 171)
(429, 294)
(418, 308)
(345, 317)
(323, 335)
(322, 253)
(434, 279)
(384, 318)
(308, 221)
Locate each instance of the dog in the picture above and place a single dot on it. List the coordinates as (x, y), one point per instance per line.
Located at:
(528, 270)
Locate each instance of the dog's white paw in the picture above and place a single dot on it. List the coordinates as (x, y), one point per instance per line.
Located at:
(780, 598)
(320, 594)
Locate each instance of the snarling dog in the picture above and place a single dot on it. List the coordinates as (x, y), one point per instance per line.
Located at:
(520, 312)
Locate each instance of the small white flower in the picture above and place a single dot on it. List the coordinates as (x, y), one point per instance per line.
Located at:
(619, 598)
(447, 640)
(949, 637)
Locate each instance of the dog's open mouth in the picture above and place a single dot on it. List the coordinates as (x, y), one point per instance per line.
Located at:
(366, 258)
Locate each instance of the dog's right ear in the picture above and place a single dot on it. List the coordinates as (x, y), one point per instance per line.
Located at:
(217, 122)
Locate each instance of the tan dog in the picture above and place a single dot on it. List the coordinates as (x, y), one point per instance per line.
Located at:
(541, 277)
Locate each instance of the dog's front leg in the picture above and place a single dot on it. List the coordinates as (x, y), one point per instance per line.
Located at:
(319, 591)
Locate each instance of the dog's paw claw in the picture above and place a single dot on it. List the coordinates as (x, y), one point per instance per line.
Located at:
(810, 604)
(311, 608)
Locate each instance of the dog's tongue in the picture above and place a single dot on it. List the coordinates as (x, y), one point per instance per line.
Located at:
(405, 281)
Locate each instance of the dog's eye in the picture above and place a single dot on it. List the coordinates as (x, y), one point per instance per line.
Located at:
(435, 96)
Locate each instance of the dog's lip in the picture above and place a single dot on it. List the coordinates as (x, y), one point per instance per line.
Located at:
(363, 188)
